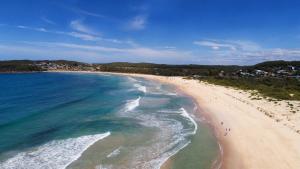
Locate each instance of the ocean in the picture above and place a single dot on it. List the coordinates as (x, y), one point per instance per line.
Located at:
(99, 121)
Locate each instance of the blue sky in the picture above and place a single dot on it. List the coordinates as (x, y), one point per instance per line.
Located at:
(162, 31)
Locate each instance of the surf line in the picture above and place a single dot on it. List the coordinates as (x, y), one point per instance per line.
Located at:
(55, 154)
(131, 105)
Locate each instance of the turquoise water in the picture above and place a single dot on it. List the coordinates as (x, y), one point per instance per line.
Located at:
(76, 120)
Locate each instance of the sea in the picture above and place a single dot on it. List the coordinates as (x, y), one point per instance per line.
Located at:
(99, 121)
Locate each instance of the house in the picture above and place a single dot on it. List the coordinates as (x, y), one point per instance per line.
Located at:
(260, 72)
(282, 72)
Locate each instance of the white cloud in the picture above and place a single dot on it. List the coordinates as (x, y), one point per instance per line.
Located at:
(229, 45)
(77, 25)
(170, 47)
(84, 12)
(22, 27)
(135, 51)
(41, 29)
(48, 21)
(83, 36)
(33, 28)
(138, 22)
(214, 45)
(246, 51)
(37, 52)
(59, 49)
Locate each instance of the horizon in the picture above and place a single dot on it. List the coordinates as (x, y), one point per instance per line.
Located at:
(235, 32)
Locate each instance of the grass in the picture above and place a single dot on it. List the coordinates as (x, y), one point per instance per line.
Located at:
(280, 89)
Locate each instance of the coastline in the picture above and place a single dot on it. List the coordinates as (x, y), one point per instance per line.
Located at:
(276, 145)
(249, 137)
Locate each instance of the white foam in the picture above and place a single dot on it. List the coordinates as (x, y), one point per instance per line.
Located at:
(114, 153)
(164, 93)
(56, 154)
(104, 74)
(157, 163)
(141, 88)
(132, 104)
(222, 152)
(185, 114)
(171, 94)
(132, 79)
(169, 141)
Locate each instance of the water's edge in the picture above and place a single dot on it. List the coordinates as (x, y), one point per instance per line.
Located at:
(205, 119)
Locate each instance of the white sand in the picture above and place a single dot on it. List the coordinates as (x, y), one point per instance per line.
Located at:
(263, 134)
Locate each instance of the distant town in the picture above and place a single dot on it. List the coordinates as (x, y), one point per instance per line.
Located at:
(277, 71)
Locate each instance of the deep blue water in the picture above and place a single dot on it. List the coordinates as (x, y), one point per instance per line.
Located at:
(39, 107)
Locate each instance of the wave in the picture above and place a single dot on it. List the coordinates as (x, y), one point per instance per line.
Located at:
(56, 154)
(132, 104)
(103, 74)
(132, 79)
(185, 114)
(114, 153)
(180, 142)
(141, 88)
(137, 85)
(159, 162)
(172, 138)
(164, 93)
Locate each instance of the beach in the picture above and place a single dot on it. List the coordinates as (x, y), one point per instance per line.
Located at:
(253, 134)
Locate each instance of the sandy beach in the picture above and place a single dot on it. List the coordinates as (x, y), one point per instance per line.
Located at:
(254, 134)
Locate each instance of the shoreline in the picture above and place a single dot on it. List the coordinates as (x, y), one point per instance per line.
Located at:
(248, 135)
(240, 123)
(205, 119)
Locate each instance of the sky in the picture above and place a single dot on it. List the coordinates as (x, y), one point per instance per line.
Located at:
(229, 32)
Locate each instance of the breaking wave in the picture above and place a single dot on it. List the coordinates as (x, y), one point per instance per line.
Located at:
(172, 138)
(132, 104)
(140, 87)
(56, 154)
(185, 114)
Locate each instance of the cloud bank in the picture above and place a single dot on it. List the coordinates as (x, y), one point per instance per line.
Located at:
(237, 51)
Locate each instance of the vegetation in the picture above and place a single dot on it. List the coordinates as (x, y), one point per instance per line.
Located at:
(276, 64)
(18, 66)
(275, 79)
(41, 65)
(167, 70)
(282, 89)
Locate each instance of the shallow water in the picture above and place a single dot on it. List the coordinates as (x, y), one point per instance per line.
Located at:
(75, 120)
